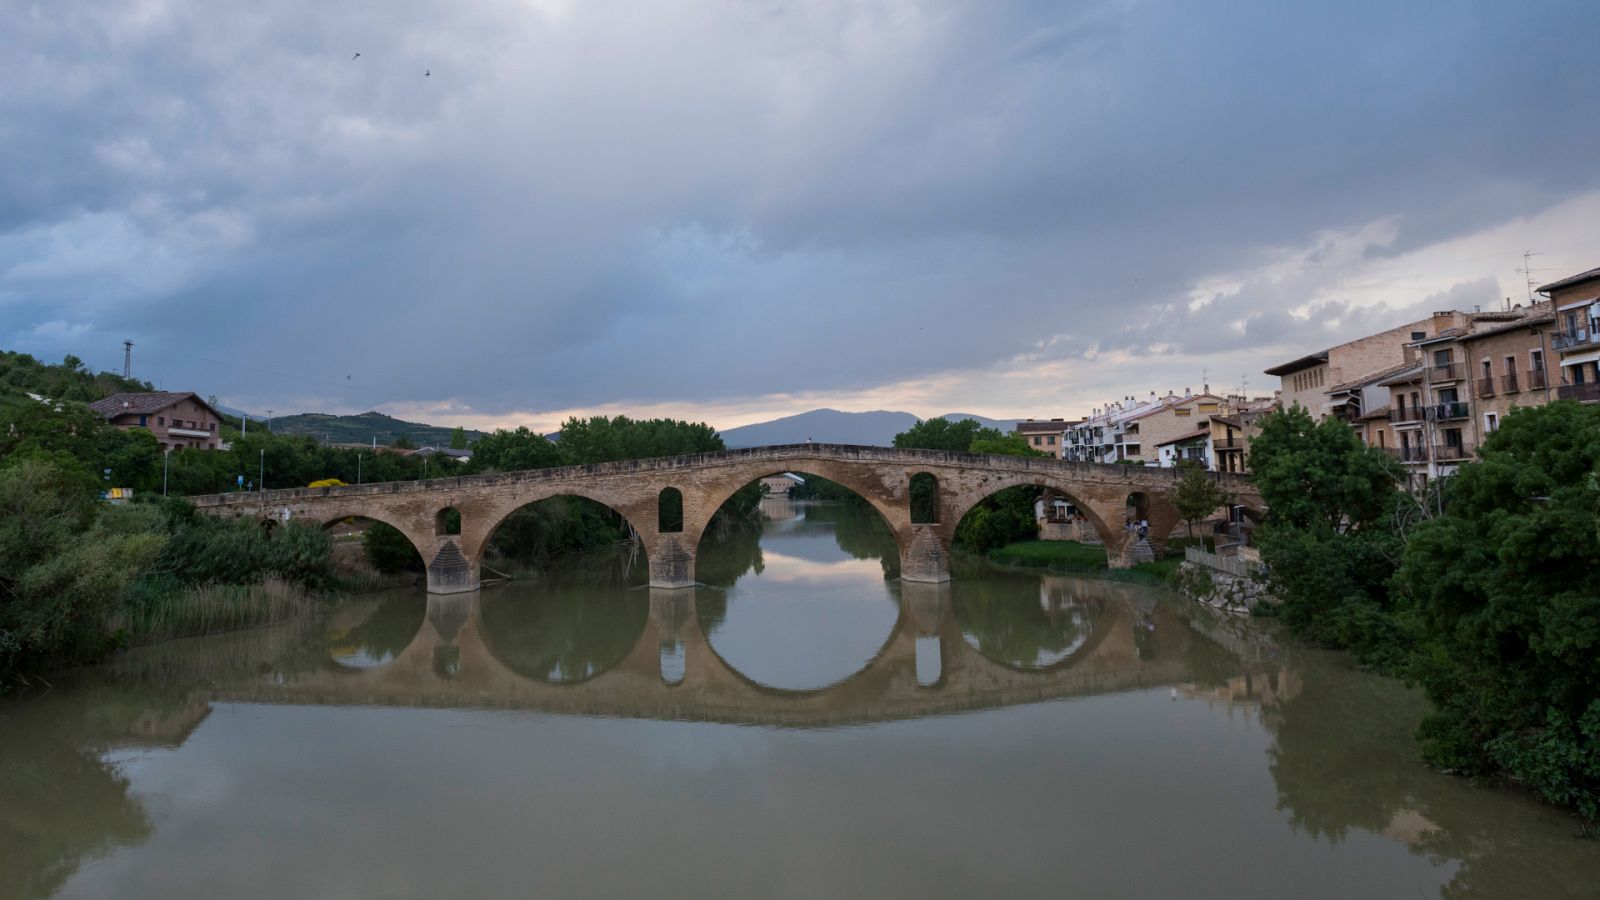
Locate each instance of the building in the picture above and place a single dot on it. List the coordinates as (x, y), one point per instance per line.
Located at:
(1321, 381)
(1044, 435)
(1232, 431)
(1575, 303)
(1195, 448)
(781, 484)
(179, 420)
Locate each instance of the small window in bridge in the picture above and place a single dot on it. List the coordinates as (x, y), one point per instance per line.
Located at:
(924, 499)
(669, 511)
(448, 521)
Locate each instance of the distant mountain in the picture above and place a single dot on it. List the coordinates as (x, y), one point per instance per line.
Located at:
(831, 426)
(363, 428)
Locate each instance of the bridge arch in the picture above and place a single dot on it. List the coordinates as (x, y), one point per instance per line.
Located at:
(490, 517)
(1095, 513)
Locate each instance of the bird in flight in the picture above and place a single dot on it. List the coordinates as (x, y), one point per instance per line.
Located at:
(428, 74)
(356, 57)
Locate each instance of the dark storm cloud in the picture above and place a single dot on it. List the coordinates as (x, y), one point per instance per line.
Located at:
(591, 201)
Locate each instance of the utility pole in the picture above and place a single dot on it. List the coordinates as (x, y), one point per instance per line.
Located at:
(269, 420)
(261, 475)
(127, 359)
(358, 468)
(165, 458)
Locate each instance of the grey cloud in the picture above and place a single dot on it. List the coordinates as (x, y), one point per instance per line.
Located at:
(625, 203)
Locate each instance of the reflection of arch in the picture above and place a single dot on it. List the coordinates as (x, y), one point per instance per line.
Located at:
(903, 629)
(1098, 631)
(627, 606)
(966, 504)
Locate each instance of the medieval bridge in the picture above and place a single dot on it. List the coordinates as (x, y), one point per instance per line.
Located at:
(636, 489)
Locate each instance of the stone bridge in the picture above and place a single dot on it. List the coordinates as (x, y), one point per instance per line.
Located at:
(925, 667)
(635, 489)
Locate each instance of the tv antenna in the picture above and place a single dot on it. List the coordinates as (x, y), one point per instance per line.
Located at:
(1527, 269)
(127, 359)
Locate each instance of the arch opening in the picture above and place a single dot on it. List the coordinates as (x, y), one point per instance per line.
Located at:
(924, 497)
(583, 534)
(447, 521)
(669, 511)
(362, 544)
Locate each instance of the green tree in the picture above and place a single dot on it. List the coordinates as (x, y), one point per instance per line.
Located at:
(458, 438)
(943, 434)
(403, 442)
(1330, 539)
(1197, 495)
(1002, 518)
(513, 451)
(1505, 588)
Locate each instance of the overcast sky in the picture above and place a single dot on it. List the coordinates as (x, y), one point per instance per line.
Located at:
(507, 211)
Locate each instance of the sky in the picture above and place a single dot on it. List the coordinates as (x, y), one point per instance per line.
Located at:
(506, 212)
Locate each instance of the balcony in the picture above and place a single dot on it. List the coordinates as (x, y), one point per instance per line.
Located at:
(1566, 340)
(1446, 372)
(1228, 444)
(1508, 383)
(189, 432)
(1402, 416)
(1455, 409)
(1588, 392)
(1537, 380)
(1486, 386)
(1450, 452)
(1417, 454)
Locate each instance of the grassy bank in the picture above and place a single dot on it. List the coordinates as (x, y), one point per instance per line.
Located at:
(1071, 557)
(213, 608)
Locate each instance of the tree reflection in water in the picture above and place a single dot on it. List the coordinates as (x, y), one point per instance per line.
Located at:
(1026, 621)
(560, 632)
(379, 636)
(1344, 758)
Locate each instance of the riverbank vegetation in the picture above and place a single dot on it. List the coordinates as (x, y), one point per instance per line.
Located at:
(1073, 558)
(1484, 588)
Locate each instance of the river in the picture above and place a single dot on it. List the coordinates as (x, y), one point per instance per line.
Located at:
(803, 725)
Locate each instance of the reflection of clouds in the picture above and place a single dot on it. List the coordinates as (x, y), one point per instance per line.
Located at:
(784, 568)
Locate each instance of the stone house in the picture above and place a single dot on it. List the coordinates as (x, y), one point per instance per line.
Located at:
(1575, 303)
(1506, 364)
(179, 420)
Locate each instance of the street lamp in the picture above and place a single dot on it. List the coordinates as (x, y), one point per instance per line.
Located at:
(261, 476)
(358, 468)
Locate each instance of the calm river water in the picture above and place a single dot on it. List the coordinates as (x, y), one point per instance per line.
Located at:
(804, 725)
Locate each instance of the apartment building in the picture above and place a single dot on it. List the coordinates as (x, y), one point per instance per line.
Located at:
(1321, 382)
(1575, 303)
(1136, 431)
(1045, 435)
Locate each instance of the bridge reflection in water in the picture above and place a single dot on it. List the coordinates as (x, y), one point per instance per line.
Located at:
(460, 656)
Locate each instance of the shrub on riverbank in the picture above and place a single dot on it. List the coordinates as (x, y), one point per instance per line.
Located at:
(79, 578)
(1073, 558)
(1491, 601)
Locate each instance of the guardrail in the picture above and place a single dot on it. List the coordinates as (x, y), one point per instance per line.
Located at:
(1239, 568)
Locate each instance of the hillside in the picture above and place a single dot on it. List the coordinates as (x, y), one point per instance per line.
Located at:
(68, 380)
(832, 426)
(364, 428)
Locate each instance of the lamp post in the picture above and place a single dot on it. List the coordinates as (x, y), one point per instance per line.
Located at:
(261, 476)
(166, 457)
(358, 468)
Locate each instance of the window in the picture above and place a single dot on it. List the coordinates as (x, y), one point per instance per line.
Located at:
(1051, 440)
(143, 420)
(1491, 422)
(1419, 335)
(1036, 440)
(1381, 436)
(161, 420)
(1511, 365)
(1488, 369)
(1441, 357)
(1208, 407)
(1183, 411)
(1452, 437)
(1536, 359)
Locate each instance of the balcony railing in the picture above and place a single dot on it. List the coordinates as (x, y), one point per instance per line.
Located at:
(1454, 410)
(1508, 383)
(1486, 386)
(1446, 372)
(1228, 444)
(1414, 414)
(1588, 392)
(1566, 340)
(1537, 380)
(1450, 452)
(1418, 453)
